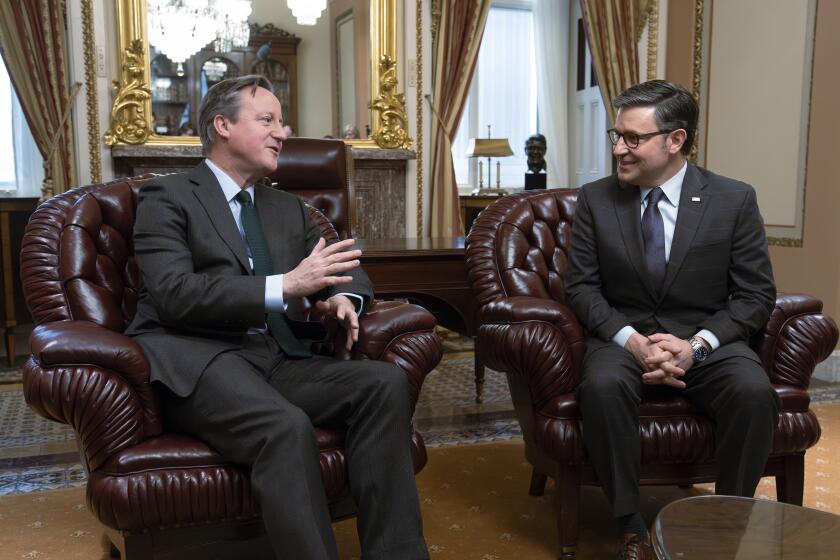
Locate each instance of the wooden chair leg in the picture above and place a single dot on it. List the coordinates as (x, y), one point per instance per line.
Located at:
(538, 481)
(479, 378)
(566, 496)
(790, 486)
(130, 547)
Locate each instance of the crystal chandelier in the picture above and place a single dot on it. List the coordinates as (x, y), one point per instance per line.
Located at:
(181, 28)
(233, 25)
(306, 12)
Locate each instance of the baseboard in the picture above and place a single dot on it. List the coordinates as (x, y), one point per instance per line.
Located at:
(829, 370)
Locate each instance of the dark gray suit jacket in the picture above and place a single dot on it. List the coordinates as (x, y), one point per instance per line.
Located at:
(198, 295)
(718, 277)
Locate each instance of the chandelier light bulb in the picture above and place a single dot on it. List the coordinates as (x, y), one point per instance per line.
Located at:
(306, 12)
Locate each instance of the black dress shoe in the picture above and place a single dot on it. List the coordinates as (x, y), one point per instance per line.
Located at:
(635, 547)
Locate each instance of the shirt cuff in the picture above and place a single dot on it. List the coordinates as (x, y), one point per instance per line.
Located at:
(358, 300)
(274, 294)
(707, 335)
(621, 336)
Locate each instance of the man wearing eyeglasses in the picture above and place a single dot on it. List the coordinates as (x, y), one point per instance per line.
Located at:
(669, 274)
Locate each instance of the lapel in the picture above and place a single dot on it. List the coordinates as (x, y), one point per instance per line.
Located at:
(689, 216)
(628, 212)
(209, 193)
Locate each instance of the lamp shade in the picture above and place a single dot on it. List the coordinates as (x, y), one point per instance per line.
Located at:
(488, 147)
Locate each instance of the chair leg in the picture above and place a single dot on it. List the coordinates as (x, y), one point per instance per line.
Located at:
(566, 496)
(790, 486)
(479, 378)
(130, 546)
(538, 481)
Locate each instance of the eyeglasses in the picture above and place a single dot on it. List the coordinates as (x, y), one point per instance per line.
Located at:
(631, 139)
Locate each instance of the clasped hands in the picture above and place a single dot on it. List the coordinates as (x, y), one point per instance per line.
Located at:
(324, 267)
(663, 357)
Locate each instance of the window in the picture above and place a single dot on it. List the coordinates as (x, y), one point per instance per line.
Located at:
(21, 164)
(503, 94)
(7, 149)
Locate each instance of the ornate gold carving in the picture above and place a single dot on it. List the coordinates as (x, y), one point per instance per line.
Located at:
(91, 101)
(128, 116)
(391, 106)
(784, 241)
(697, 67)
(437, 10)
(419, 116)
(131, 18)
(653, 39)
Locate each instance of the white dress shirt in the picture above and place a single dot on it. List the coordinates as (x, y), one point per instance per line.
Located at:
(669, 206)
(274, 301)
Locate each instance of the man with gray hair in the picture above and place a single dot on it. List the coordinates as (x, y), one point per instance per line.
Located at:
(670, 275)
(225, 263)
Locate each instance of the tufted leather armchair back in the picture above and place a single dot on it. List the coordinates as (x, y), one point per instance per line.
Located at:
(78, 259)
(520, 247)
(321, 172)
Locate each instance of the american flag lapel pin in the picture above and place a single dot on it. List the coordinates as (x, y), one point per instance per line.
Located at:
(695, 199)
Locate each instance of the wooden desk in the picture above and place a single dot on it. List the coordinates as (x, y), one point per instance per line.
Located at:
(471, 206)
(431, 272)
(14, 213)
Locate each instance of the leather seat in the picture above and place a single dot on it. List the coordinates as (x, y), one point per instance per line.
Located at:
(516, 258)
(160, 494)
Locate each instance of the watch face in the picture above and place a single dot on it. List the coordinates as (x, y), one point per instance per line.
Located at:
(700, 352)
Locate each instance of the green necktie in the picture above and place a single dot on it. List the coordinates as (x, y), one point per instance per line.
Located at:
(263, 266)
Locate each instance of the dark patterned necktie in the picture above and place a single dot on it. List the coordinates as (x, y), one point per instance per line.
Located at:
(653, 233)
(277, 325)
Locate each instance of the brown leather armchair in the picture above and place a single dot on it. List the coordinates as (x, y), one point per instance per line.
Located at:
(516, 258)
(320, 171)
(159, 494)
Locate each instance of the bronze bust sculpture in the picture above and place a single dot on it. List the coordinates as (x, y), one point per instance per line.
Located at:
(535, 148)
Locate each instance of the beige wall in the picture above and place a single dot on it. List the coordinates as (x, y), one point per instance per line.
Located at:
(759, 65)
(315, 99)
(813, 268)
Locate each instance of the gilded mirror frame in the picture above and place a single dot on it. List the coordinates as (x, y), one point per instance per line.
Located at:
(131, 109)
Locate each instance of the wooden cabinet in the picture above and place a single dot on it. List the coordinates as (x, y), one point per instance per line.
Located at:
(177, 89)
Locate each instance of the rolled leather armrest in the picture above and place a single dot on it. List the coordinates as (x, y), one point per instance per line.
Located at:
(399, 333)
(518, 309)
(539, 339)
(95, 380)
(797, 337)
(83, 342)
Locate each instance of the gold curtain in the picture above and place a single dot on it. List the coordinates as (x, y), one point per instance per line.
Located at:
(456, 39)
(33, 41)
(613, 29)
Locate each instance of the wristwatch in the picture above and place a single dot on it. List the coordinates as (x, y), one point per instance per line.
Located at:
(699, 350)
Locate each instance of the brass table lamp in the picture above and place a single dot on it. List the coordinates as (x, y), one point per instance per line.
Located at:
(489, 148)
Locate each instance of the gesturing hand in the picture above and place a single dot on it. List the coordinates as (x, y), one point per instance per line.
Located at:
(321, 268)
(341, 308)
